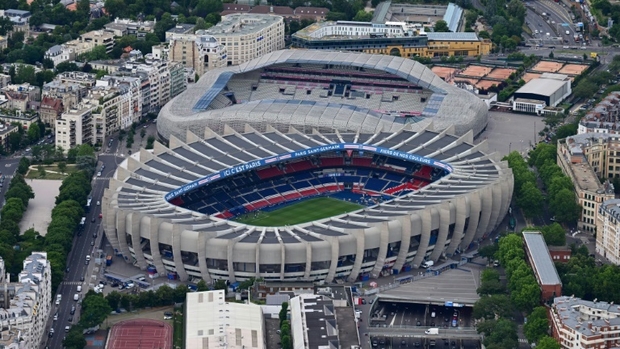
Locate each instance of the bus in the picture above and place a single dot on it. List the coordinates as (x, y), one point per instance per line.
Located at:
(88, 202)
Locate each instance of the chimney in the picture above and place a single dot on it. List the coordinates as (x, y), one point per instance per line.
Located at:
(590, 325)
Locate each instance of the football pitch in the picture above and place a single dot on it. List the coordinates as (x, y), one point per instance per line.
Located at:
(301, 212)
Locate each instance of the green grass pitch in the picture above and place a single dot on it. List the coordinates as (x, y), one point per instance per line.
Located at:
(301, 212)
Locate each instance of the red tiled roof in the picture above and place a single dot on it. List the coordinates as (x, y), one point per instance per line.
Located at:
(236, 8)
(278, 10)
(311, 11)
(51, 103)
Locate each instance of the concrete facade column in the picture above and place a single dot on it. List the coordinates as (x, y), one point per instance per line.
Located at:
(176, 251)
(121, 232)
(475, 205)
(486, 198)
(425, 235)
(334, 261)
(230, 251)
(444, 228)
(405, 240)
(462, 208)
(202, 257)
(384, 237)
(154, 242)
(360, 235)
(134, 221)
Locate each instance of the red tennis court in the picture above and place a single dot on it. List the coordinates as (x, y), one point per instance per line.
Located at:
(140, 334)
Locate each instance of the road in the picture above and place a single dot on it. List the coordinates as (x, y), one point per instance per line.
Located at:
(76, 261)
(8, 166)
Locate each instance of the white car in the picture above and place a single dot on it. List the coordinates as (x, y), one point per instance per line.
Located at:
(99, 174)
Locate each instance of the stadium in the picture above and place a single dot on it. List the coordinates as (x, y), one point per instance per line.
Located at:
(303, 206)
(323, 90)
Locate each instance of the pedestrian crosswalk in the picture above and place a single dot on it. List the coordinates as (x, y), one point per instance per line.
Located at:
(72, 283)
(103, 178)
(522, 340)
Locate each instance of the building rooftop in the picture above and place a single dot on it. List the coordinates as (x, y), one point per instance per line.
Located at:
(612, 207)
(541, 258)
(181, 28)
(544, 85)
(213, 320)
(583, 172)
(460, 36)
(313, 319)
(242, 24)
(586, 317)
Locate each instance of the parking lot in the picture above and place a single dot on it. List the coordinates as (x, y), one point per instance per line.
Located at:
(436, 343)
(388, 314)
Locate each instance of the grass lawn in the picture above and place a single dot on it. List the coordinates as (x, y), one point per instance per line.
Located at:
(51, 172)
(302, 212)
(179, 331)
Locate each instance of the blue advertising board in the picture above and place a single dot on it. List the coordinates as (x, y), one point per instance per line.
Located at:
(303, 153)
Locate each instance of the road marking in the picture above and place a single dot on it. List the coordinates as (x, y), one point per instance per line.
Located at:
(74, 283)
(522, 340)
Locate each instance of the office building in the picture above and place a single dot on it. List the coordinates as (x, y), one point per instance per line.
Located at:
(198, 52)
(211, 321)
(608, 230)
(584, 159)
(25, 305)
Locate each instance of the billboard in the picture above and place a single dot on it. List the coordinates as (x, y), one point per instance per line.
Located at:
(303, 153)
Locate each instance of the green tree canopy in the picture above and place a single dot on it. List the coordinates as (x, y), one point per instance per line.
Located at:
(441, 26)
(95, 309)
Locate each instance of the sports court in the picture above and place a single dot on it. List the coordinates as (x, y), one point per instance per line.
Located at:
(476, 70)
(547, 67)
(527, 77)
(140, 334)
(446, 73)
(500, 73)
(486, 84)
(573, 69)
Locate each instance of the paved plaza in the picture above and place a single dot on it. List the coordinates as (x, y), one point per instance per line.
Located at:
(39, 212)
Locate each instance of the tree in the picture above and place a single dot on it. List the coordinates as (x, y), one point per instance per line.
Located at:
(500, 333)
(150, 140)
(490, 307)
(547, 343)
(554, 235)
(97, 53)
(537, 325)
(22, 167)
(74, 339)
(95, 309)
(528, 296)
(283, 315)
(551, 55)
(363, 16)
(62, 167)
(114, 299)
(441, 26)
(530, 199)
(221, 285)
(488, 251)
(202, 286)
(585, 89)
(565, 207)
(142, 133)
(33, 132)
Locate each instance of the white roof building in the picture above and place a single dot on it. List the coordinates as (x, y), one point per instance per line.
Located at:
(211, 321)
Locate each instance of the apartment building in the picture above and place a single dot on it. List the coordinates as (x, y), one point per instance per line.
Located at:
(608, 230)
(584, 159)
(70, 94)
(50, 110)
(22, 97)
(125, 26)
(25, 304)
(248, 36)
(577, 323)
(604, 117)
(75, 127)
(77, 77)
(5, 131)
(70, 50)
(198, 52)
(180, 29)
